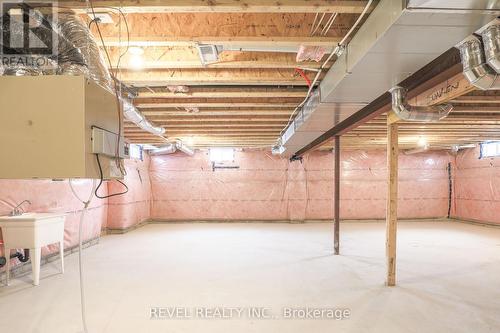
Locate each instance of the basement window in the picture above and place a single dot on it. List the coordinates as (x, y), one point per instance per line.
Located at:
(489, 149)
(135, 152)
(218, 155)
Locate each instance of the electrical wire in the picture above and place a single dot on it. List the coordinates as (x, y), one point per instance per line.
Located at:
(314, 23)
(118, 100)
(337, 48)
(86, 204)
(329, 25)
(319, 23)
(102, 180)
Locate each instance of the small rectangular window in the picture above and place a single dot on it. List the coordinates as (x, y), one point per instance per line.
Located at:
(135, 152)
(489, 149)
(221, 155)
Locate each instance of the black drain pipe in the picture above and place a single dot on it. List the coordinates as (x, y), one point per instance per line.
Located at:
(20, 256)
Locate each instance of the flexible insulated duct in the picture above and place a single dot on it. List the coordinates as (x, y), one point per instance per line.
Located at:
(165, 150)
(409, 112)
(491, 41)
(131, 113)
(172, 148)
(475, 68)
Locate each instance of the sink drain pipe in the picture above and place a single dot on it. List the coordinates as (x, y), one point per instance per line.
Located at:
(20, 256)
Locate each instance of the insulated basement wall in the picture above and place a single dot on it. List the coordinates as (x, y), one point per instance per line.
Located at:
(266, 187)
(477, 187)
(56, 196)
(127, 210)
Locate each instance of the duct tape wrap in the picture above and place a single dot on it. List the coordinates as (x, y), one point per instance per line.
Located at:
(131, 113)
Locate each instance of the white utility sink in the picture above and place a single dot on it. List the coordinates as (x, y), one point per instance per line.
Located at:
(32, 231)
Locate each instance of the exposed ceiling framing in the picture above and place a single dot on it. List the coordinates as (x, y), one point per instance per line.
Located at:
(246, 98)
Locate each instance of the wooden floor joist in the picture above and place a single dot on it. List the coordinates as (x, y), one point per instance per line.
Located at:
(227, 93)
(248, 95)
(250, 42)
(224, 6)
(214, 105)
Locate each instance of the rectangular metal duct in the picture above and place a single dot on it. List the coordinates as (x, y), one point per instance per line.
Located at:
(398, 38)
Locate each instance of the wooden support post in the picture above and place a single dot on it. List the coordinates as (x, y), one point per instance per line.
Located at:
(336, 202)
(392, 201)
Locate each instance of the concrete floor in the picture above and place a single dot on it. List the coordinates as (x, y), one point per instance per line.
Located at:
(448, 280)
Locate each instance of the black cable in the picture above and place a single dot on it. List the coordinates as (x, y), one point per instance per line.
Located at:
(96, 20)
(119, 104)
(102, 180)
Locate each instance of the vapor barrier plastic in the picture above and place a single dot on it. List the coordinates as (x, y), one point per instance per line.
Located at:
(55, 196)
(477, 187)
(133, 207)
(267, 187)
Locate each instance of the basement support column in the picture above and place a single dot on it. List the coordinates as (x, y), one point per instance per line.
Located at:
(336, 199)
(392, 198)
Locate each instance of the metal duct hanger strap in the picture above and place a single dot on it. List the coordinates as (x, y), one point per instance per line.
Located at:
(409, 112)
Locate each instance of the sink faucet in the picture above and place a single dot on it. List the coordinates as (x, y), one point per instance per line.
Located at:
(18, 210)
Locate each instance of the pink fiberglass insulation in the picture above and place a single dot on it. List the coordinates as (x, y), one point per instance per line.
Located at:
(310, 53)
(133, 207)
(56, 196)
(266, 187)
(477, 187)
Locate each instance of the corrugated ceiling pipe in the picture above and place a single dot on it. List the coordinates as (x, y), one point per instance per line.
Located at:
(409, 112)
(165, 150)
(474, 65)
(491, 41)
(185, 149)
(131, 113)
(172, 148)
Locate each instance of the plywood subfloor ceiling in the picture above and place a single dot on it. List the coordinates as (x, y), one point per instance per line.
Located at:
(246, 98)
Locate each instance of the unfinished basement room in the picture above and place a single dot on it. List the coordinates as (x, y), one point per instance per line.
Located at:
(249, 166)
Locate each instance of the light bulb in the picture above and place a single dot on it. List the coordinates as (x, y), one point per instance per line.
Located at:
(136, 62)
(422, 142)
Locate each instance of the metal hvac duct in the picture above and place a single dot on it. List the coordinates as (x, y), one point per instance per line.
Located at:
(131, 113)
(475, 68)
(491, 41)
(172, 148)
(409, 112)
(165, 150)
(185, 149)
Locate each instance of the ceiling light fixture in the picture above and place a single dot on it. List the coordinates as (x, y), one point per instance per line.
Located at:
(422, 141)
(136, 61)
